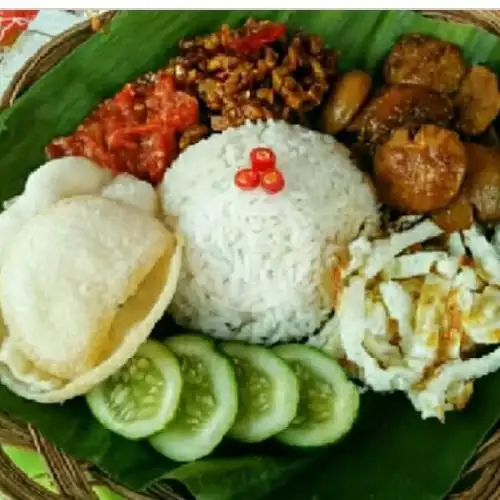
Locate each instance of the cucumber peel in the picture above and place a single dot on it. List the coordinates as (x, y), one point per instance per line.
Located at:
(268, 392)
(142, 397)
(208, 403)
(329, 401)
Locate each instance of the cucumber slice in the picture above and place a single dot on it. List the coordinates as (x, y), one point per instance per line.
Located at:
(208, 404)
(329, 401)
(268, 392)
(142, 397)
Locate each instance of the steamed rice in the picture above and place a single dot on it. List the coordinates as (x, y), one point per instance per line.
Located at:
(255, 264)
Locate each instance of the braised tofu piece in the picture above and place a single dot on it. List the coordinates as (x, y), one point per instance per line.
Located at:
(397, 106)
(456, 216)
(482, 182)
(420, 174)
(427, 62)
(477, 100)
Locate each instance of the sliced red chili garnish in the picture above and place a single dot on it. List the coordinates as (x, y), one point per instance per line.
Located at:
(272, 181)
(247, 179)
(262, 159)
(265, 34)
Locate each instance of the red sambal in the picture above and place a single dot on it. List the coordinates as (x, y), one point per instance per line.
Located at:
(136, 131)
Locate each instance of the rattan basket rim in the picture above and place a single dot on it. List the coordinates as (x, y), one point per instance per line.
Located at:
(74, 479)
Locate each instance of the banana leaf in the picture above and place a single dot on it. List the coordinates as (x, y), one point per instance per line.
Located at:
(391, 453)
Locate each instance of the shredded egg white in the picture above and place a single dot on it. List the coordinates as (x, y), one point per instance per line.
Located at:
(418, 321)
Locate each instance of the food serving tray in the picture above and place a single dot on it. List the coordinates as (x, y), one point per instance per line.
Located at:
(74, 477)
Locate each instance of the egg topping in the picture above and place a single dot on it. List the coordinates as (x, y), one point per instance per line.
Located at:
(419, 318)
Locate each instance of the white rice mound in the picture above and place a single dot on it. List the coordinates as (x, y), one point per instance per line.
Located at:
(254, 264)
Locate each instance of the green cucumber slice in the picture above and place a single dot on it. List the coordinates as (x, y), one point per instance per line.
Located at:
(329, 401)
(208, 404)
(142, 397)
(268, 392)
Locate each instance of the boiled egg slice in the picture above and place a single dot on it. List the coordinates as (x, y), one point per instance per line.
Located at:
(456, 245)
(430, 318)
(400, 306)
(432, 400)
(352, 328)
(359, 251)
(385, 250)
(486, 256)
(410, 265)
(482, 323)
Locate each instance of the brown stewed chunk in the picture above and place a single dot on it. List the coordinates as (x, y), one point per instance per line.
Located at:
(457, 216)
(425, 61)
(477, 100)
(421, 174)
(479, 196)
(482, 183)
(398, 106)
(345, 100)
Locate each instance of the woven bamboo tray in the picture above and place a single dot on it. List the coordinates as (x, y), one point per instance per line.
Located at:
(75, 480)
